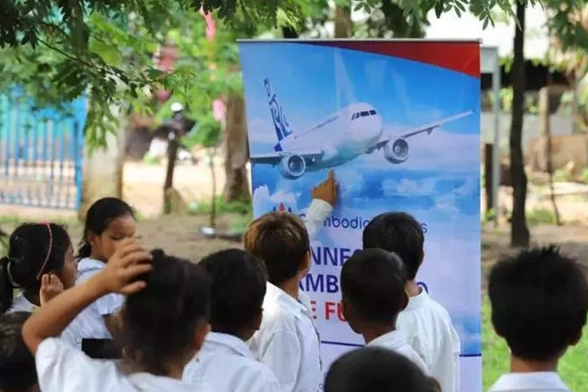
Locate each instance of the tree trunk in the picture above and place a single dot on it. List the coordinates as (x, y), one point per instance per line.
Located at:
(211, 154)
(343, 23)
(172, 153)
(519, 236)
(545, 113)
(236, 151)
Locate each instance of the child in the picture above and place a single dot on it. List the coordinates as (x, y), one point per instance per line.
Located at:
(163, 325)
(17, 365)
(539, 303)
(372, 289)
(36, 252)
(238, 288)
(376, 369)
(108, 221)
(426, 323)
(287, 340)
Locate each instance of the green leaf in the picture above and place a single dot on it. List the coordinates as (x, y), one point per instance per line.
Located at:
(439, 9)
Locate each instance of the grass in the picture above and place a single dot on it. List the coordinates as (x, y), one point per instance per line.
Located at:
(572, 367)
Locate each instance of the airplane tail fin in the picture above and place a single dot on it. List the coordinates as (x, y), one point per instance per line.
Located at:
(281, 125)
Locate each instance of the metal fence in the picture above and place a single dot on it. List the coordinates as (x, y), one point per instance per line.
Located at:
(40, 154)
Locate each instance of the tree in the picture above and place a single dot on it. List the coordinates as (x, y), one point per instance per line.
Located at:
(519, 235)
(207, 135)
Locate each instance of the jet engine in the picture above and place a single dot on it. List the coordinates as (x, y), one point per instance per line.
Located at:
(292, 166)
(396, 151)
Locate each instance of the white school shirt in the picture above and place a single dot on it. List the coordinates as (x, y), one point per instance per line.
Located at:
(21, 304)
(429, 331)
(529, 382)
(227, 363)
(396, 341)
(288, 342)
(315, 216)
(90, 322)
(62, 368)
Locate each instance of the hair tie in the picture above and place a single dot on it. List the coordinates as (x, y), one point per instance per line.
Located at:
(48, 249)
(9, 273)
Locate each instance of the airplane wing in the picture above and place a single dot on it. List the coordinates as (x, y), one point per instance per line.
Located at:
(273, 158)
(421, 129)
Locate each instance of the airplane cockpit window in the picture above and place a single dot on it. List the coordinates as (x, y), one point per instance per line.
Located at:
(363, 114)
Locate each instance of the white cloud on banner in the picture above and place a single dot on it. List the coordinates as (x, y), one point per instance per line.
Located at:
(264, 202)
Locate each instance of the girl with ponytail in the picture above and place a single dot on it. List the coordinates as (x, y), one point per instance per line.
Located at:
(108, 221)
(40, 256)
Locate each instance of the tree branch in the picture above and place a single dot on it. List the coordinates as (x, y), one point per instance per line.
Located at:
(86, 63)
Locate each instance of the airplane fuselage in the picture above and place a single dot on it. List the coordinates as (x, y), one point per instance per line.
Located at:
(341, 137)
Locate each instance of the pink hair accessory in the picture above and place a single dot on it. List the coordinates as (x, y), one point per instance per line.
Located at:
(48, 249)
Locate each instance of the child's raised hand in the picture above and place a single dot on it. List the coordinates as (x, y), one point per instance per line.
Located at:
(128, 262)
(326, 190)
(51, 286)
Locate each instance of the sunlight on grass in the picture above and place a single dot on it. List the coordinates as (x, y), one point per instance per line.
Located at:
(572, 368)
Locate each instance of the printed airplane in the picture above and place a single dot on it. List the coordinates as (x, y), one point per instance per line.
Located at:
(347, 134)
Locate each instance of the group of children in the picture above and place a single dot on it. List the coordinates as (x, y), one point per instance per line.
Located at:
(237, 321)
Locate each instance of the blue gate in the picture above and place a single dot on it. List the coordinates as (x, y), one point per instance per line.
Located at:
(41, 154)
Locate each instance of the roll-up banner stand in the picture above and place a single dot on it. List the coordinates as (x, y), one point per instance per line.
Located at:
(399, 122)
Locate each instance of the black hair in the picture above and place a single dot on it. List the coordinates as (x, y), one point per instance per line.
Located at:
(539, 302)
(237, 291)
(99, 216)
(279, 239)
(373, 281)
(400, 233)
(17, 364)
(23, 266)
(159, 322)
(376, 369)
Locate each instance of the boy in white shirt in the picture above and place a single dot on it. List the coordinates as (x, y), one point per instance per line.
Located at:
(237, 291)
(288, 341)
(163, 325)
(539, 304)
(372, 289)
(426, 323)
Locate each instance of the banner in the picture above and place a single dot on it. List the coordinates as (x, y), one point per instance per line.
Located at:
(399, 122)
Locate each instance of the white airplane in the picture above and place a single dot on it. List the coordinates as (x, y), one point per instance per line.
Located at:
(345, 135)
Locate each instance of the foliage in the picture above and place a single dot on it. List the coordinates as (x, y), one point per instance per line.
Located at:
(584, 175)
(388, 20)
(541, 216)
(207, 133)
(562, 175)
(489, 215)
(57, 50)
(234, 207)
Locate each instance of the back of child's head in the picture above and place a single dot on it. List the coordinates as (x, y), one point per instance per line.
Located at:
(539, 302)
(160, 323)
(98, 218)
(17, 364)
(237, 291)
(376, 369)
(279, 239)
(400, 233)
(372, 283)
(34, 249)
